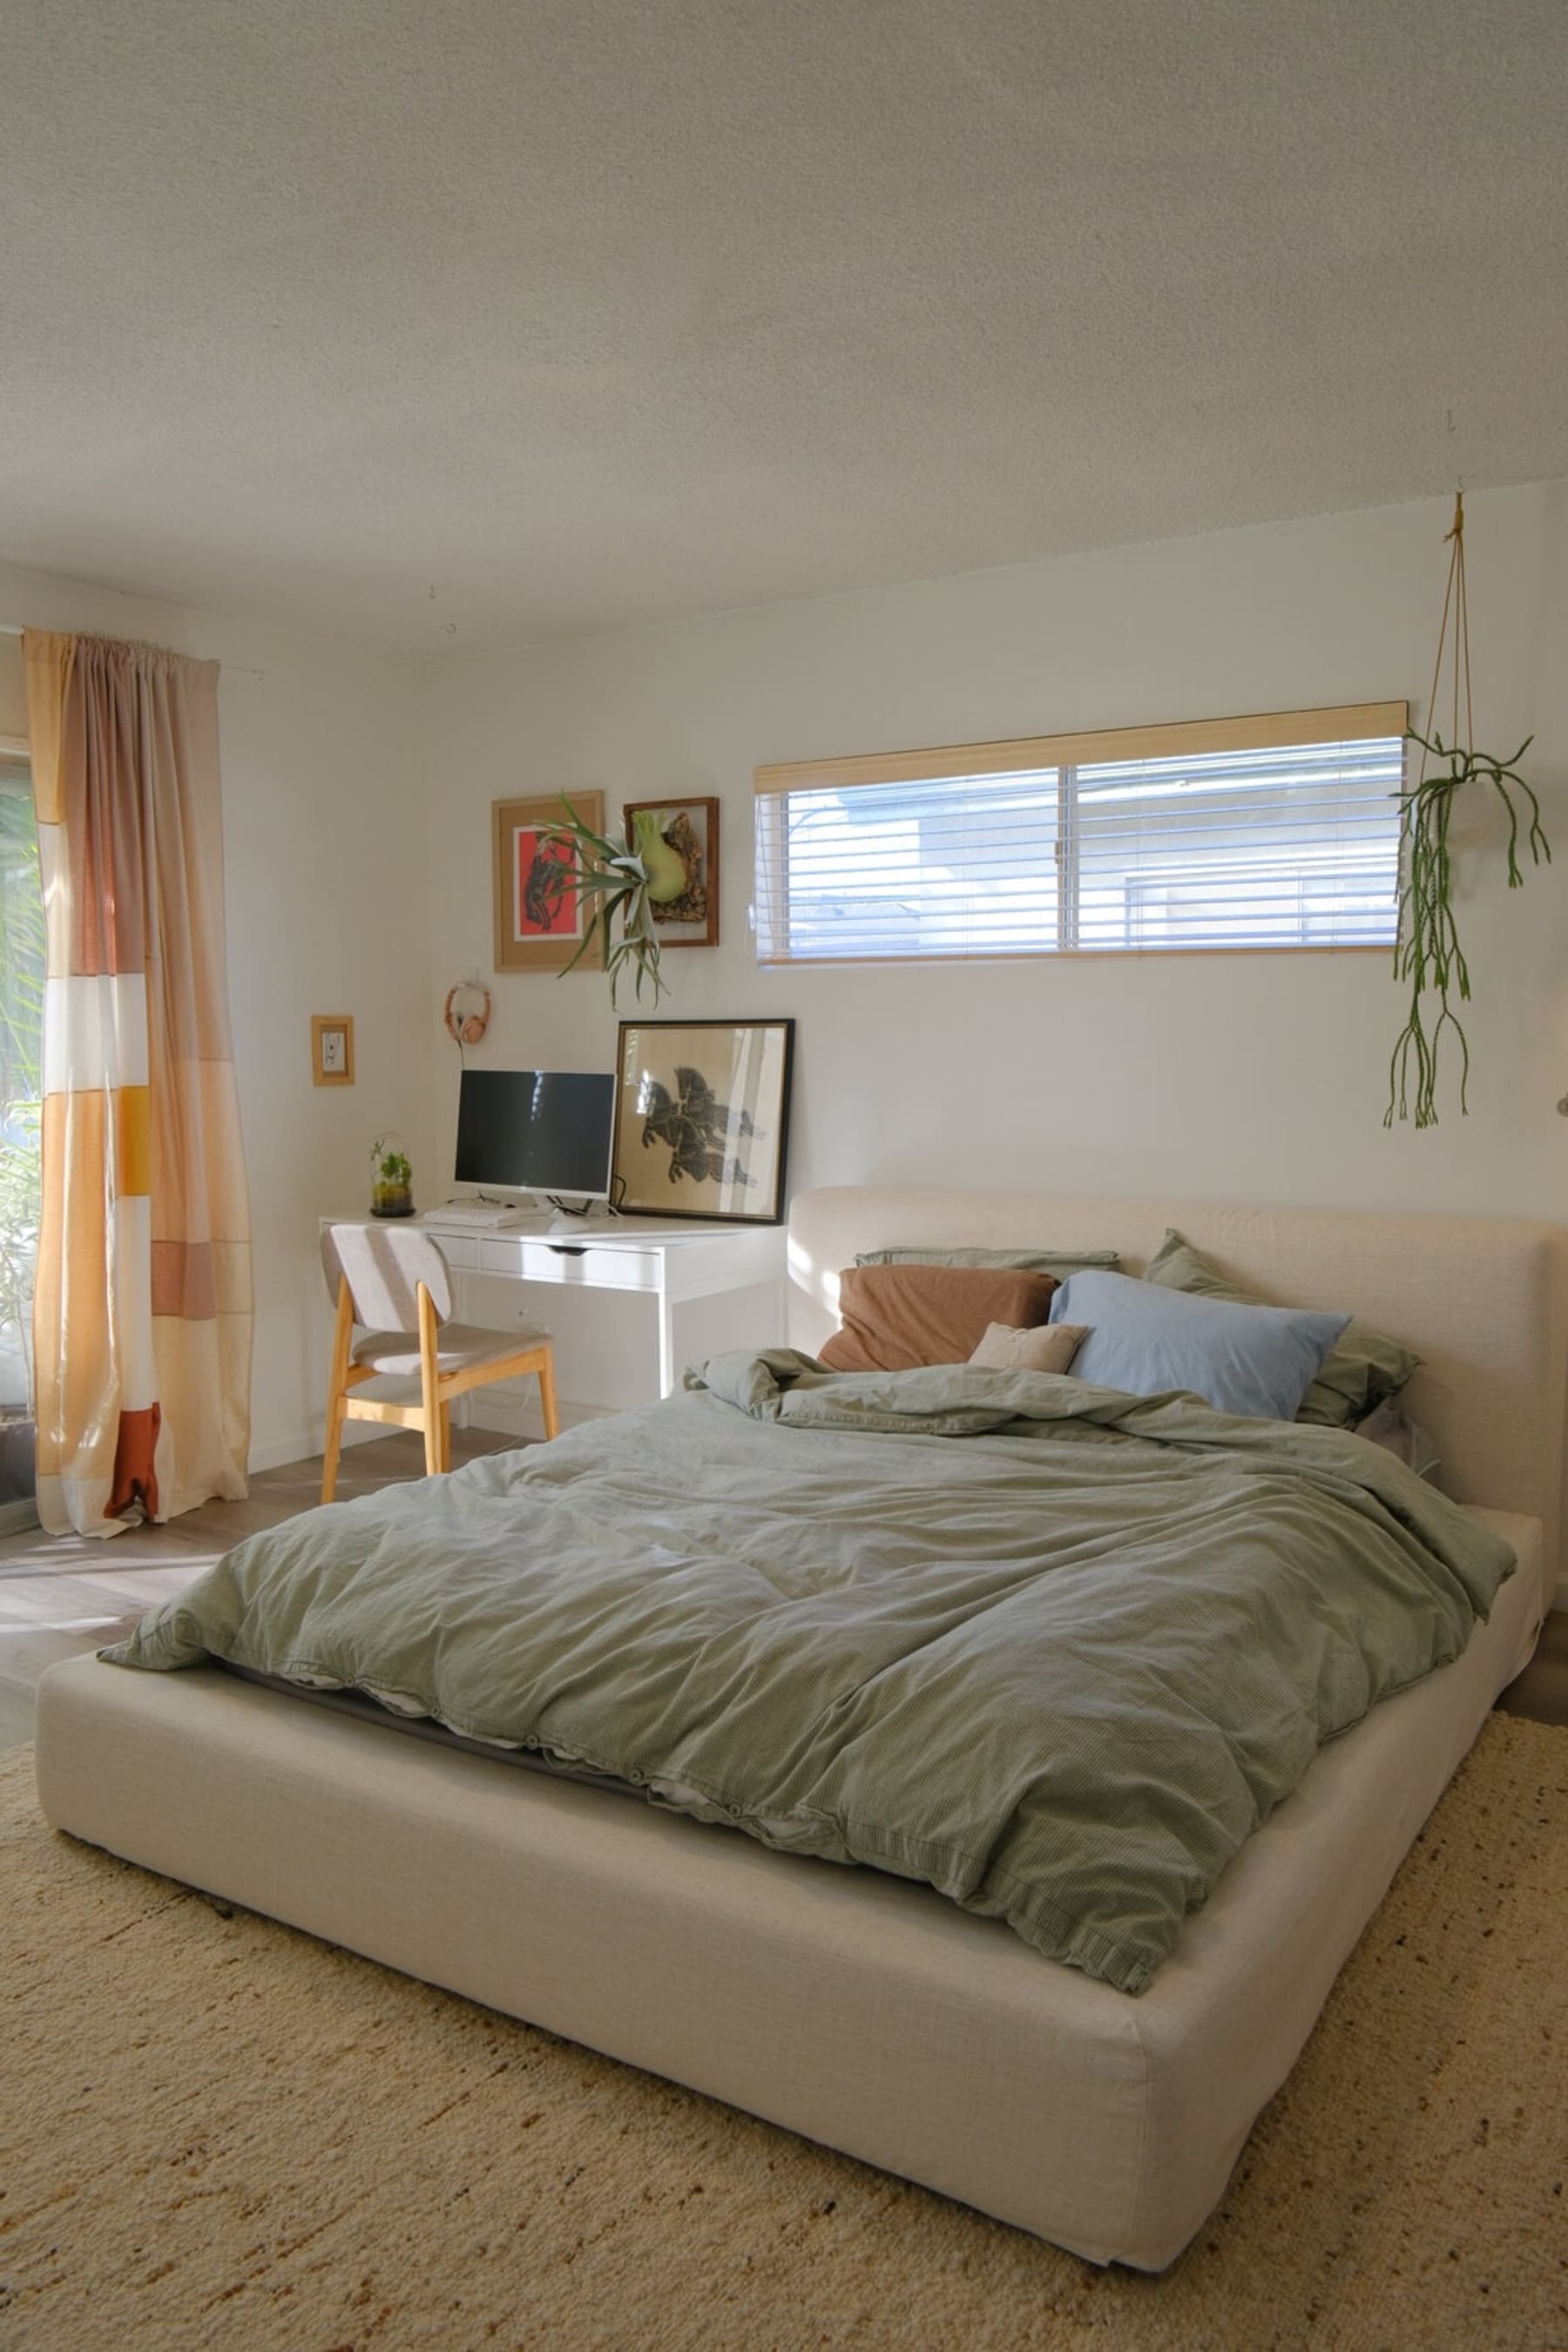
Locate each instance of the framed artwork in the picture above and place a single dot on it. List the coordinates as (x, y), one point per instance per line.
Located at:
(689, 830)
(332, 1049)
(539, 917)
(702, 1118)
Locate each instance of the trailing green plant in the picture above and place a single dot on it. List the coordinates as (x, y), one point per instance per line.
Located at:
(622, 878)
(1428, 956)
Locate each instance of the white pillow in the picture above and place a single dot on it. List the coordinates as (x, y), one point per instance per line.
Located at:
(1047, 1348)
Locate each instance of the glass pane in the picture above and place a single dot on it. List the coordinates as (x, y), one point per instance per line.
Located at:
(956, 868)
(1293, 847)
(21, 1092)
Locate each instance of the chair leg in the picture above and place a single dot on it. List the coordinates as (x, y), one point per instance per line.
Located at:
(332, 1449)
(445, 1435)
(337, 1390)
(431, 1406)
(547, 1394)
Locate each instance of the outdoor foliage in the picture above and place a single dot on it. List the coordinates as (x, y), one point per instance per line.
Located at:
(21, 1076)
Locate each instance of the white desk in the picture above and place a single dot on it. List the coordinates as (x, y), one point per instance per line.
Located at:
(672, 1262)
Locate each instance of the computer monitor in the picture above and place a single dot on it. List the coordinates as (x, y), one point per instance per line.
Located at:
(536, 1130)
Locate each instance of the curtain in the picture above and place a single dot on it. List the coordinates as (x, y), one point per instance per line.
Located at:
(141, 1312)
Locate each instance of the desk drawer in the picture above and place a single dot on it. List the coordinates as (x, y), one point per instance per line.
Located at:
(527, 1259)
(460, 1250)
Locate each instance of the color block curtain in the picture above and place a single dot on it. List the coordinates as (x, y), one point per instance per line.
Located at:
(142, 1309)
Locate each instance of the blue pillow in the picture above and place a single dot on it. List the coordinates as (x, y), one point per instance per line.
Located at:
(1259, 1360)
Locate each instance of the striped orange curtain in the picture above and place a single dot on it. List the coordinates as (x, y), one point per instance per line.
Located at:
(142, 1309)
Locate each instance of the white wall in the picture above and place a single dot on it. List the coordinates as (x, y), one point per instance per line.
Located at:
(357, 795)
(1256, 1078)
(328, 913)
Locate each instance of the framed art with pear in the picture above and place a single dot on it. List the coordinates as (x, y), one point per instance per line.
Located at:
(687, 832)
(539, 917)
(702, 1118)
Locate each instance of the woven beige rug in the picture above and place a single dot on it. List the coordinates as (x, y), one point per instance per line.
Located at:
(217, 2133)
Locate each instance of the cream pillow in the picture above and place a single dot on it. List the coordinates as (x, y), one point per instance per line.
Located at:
(1047, 1348)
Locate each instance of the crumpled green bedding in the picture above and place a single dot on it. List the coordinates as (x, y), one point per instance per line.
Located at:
(1055, 1650)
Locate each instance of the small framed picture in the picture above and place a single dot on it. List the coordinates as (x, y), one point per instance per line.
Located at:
(332, 1049)
(689, 831)
(702, 1118)
(539, 916)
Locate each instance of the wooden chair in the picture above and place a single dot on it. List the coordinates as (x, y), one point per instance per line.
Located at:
(391, 1280)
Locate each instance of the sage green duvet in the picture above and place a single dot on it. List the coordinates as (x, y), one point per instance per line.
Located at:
(1053, 1649)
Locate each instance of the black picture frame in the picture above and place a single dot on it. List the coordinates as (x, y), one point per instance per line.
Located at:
(701, 1128)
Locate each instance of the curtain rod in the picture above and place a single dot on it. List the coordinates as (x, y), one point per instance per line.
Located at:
(14, 629)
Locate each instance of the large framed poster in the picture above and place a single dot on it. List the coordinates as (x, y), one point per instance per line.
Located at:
(702, 1118)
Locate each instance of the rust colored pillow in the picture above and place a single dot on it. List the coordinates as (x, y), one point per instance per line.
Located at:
(897, 1316)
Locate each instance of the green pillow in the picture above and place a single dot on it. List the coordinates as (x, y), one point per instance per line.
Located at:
(1360, 1371)
(1012, 1261)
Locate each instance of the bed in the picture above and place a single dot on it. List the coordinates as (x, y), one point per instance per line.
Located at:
(860, 2009)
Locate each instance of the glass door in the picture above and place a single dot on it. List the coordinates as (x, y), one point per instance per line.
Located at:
(21, 1109)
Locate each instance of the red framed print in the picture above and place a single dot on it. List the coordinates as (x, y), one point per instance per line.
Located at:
(540, 915)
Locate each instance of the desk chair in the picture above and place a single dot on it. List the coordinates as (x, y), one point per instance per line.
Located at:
(393, 1281)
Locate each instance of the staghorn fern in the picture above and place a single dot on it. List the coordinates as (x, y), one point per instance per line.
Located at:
(613, 877)
(1428, 956)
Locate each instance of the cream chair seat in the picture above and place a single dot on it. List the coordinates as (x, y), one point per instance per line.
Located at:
(393, 1280)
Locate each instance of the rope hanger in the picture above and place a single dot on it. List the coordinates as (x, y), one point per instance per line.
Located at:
(1455, 602)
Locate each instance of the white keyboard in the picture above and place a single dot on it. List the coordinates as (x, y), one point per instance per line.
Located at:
(484, 1214)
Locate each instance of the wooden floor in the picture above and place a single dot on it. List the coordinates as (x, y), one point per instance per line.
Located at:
(63, 1593)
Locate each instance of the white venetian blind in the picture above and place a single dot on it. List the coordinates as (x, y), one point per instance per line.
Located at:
(1280, 831)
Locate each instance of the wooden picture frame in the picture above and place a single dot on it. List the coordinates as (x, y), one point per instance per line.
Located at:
(702, 1119)
(332, 1049)
(539, 920)
(693, 920)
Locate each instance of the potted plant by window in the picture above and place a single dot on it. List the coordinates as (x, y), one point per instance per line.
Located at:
(391, 1178)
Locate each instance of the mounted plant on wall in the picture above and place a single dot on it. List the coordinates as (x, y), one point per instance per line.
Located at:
(1429, 958)
(624, 878)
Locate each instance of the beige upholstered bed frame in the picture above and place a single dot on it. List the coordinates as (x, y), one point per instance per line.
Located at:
(860, 2009)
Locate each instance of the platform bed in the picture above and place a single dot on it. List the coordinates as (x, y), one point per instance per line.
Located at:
(863, 2011)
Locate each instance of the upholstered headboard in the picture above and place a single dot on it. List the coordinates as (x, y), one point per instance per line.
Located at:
(1483, 1300)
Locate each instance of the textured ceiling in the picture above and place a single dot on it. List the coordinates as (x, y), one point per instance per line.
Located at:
(586, 311)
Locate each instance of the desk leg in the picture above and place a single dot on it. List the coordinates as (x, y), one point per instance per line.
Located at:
(666, 1343)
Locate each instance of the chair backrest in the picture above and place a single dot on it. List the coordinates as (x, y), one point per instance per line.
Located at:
(383, 1264)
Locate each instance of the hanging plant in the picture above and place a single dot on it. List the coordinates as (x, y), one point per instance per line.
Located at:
(1427, 957)
(623, 878)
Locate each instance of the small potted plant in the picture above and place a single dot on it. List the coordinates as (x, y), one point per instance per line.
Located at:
(391, 1179)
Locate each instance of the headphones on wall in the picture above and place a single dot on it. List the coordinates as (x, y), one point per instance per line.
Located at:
(467, 1024)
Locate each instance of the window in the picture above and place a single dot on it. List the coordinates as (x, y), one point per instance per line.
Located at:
(1275, 832)
(21, 1091)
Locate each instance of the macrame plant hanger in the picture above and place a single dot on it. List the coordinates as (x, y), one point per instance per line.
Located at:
(1428, 956)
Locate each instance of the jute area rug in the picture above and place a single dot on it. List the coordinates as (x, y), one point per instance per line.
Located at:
(218, 2133)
